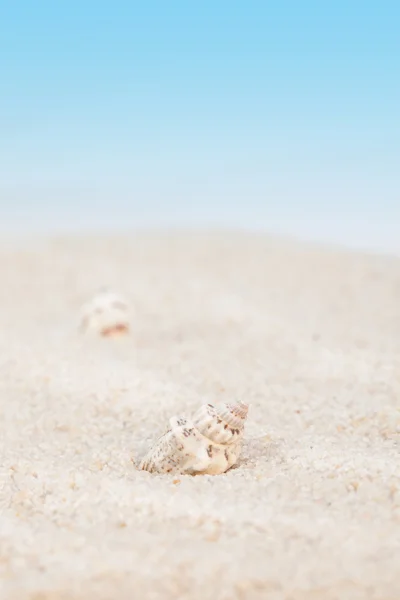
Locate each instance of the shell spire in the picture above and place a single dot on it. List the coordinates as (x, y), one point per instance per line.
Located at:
(210, 443)
(223, 423)
(235, 414)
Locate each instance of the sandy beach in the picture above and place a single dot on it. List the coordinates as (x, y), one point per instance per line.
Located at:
(308, 336)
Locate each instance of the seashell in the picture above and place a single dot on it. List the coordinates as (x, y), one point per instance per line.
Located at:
(107, 314)
(209, 443)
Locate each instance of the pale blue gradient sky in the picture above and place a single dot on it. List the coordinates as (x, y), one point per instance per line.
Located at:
(281, 116)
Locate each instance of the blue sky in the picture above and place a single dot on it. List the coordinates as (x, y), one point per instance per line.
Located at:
(276, 115)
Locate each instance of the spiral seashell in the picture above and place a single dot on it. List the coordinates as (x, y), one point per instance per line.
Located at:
(107, 314)
(210, 443)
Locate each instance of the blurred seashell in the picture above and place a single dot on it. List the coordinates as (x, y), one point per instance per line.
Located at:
(107, 314)
(210, 443)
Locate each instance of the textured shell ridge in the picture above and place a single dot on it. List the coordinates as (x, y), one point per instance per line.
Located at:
(223, 424)
(180, 444)
(233, 414)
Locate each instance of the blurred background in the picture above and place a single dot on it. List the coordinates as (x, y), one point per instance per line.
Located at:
(280, 117)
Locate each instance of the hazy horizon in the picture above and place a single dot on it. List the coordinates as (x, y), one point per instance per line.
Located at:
(281, 118)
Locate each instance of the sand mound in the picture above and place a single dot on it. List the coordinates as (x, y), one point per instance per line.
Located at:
(309, 337)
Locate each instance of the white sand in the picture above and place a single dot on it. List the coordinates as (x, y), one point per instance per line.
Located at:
(310, 337)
